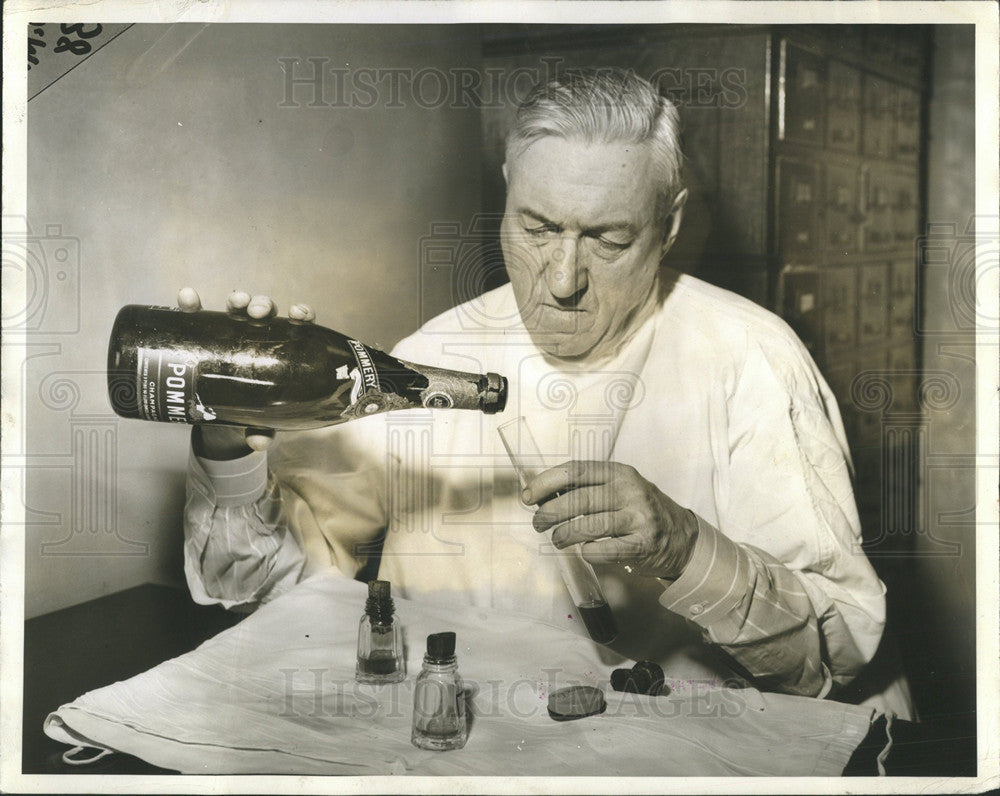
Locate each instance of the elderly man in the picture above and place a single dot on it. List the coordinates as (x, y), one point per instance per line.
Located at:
(704, 466)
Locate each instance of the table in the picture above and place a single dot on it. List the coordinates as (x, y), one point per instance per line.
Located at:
(93, 644)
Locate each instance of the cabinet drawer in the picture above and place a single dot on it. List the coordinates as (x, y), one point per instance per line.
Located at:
(840, 308)
(842, 209)
(843, 107)
(906, 144)
(878, 217)
(803, 95)
(800, 305)
(871, 323)
(901, 277)
(901, 301)
(878, 121)
(903, 206)
(911, 50)
(797, 210)
(880, 45)
(901, 324)
(872, 301)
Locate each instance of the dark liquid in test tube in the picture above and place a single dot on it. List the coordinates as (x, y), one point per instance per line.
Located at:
(600, 621)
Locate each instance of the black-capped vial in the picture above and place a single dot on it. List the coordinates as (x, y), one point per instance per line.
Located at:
(380, 639)
(439, 721)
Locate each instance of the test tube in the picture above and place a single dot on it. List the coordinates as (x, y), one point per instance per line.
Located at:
(577, 573)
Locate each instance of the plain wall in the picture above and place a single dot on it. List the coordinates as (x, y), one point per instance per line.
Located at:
(944, 611)
(167, 159)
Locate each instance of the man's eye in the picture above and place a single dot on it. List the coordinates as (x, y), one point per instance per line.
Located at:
(608, 245)
(541, 229)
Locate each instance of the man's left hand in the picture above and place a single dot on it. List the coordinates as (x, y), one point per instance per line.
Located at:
(616, 514)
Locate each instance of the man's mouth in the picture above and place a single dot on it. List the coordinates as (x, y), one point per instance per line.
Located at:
(553, 318)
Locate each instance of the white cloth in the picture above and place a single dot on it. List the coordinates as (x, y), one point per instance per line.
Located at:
(714, 400)
(276, 694)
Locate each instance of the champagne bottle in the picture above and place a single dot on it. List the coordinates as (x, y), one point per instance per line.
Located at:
(214, 367)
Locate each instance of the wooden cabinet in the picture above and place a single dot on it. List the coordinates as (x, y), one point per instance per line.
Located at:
(869, 216)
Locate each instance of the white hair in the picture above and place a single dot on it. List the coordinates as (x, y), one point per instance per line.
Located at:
(604, 106)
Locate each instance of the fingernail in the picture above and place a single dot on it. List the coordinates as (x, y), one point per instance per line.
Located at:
(526, 495)
(259, 307)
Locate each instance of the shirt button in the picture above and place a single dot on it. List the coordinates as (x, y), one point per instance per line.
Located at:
(697, 608)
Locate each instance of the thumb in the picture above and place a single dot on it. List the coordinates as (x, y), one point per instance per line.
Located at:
(260, 439)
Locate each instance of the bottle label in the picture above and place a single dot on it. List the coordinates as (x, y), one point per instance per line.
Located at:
(367, 378)
(165, 388)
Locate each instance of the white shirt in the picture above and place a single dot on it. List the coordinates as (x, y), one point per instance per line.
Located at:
(714, 400)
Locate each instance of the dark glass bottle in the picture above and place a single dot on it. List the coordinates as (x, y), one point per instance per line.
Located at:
(199, 367)
(380, 639)
(439, 720)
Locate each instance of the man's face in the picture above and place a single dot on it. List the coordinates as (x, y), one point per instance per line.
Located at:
(581, 243)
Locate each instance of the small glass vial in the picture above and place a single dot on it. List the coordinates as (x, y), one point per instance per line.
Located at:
(438, 698)
(380, 639)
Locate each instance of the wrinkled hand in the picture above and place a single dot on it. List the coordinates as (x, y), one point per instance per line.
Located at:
(229, 442)
(616, 514)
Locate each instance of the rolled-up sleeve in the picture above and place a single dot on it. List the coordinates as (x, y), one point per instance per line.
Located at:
(238, 550)
(782, 584)
(752, 606)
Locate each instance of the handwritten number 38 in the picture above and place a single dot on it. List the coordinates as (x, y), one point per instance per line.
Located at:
(77, 46)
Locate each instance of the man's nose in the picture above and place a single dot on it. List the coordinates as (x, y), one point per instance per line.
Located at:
(565, 275)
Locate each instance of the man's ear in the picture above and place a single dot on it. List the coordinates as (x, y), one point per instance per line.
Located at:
(503, 168)
(673, 221)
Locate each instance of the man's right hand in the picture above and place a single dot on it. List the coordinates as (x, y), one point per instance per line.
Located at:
(231, 442)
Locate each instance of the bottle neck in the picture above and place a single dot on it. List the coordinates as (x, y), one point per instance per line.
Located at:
(453, 389)
(440, 664)
(380, 612)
